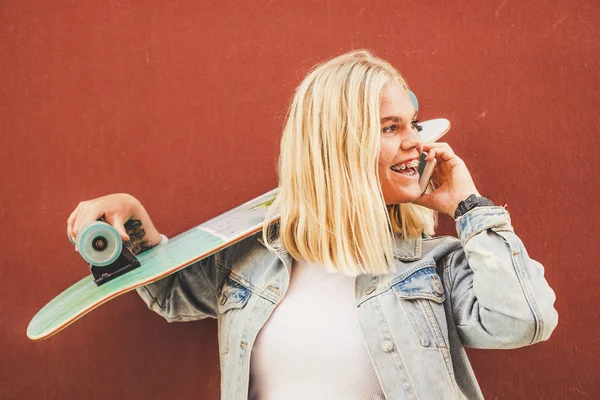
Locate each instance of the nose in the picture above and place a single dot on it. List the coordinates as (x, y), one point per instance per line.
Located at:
(411, 140)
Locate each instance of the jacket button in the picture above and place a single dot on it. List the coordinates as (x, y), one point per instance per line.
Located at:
(370, 290)
(387, 346)
(437, 286)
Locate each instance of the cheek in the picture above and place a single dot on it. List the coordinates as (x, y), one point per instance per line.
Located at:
(386, 157)
(386, 180)
(383, 169)
(387, 153)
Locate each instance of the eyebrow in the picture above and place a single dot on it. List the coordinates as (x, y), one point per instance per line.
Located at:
(395, 118)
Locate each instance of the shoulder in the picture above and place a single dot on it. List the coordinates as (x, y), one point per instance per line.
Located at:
(441, 248)
(247, 253)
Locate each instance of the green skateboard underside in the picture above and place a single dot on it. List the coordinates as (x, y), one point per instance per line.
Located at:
(179, 252)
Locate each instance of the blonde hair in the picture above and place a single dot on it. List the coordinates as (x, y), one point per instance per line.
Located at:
(332, 208)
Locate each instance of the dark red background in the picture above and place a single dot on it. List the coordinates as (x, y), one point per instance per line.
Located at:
(181, 103)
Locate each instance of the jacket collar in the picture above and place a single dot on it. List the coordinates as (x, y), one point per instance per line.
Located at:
(283, 254)
(408, 249)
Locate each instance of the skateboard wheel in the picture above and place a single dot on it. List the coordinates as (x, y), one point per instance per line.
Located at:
(99, 244)
(414, 100)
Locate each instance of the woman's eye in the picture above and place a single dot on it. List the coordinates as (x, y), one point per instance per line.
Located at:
(390, 129)
(415, 125)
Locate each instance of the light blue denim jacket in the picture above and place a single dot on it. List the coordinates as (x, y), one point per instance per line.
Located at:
(481, 290)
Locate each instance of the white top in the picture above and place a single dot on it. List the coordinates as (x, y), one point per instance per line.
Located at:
(312, 345)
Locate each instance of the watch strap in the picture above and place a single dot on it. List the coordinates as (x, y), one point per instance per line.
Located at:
(470, 203)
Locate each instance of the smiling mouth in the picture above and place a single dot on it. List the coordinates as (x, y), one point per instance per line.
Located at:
(409, 169)
(408, 172)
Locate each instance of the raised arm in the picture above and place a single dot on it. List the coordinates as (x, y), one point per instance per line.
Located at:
(499, 296)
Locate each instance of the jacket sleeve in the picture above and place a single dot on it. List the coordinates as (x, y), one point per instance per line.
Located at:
(499, 296)
(186, 295)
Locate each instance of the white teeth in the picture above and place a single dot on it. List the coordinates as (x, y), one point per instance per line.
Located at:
(413, 163)
(402, 167)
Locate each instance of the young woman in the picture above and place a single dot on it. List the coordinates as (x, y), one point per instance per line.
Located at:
(349, 296)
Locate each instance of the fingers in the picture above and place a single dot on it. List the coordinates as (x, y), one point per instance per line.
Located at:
(117, 222)
(71, 221)
(430, 155)
(436, 145)
(444, 153)
(77, 222)
(85, 213)
(425, 200)
(442, 149)
(112, 208)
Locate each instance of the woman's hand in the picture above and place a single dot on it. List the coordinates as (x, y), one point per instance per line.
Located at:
(452, 177)
(116, 209)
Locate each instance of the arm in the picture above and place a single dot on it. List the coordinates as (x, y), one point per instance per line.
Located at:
(498, 295)
(186, 295)
(140, 230)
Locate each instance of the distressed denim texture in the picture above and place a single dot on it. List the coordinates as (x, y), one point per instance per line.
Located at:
(481, 290)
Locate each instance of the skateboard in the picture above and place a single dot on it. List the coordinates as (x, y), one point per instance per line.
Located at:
(100, 245)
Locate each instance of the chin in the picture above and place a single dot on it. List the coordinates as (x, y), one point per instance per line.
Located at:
(404, 196)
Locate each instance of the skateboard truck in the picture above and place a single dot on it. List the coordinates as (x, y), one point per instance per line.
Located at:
(124, 263)
(101, 246)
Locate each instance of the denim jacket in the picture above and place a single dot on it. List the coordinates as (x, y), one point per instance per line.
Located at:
(481, 290)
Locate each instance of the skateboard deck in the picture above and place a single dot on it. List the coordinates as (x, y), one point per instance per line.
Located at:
(179, 252)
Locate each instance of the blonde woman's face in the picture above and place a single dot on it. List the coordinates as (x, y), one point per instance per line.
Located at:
(401, 146)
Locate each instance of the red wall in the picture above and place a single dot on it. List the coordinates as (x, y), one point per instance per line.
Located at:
(181, 103)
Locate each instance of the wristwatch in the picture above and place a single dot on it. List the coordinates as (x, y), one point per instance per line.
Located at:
(470, 203)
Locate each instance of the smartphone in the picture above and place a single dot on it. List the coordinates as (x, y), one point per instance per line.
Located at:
(425, 171)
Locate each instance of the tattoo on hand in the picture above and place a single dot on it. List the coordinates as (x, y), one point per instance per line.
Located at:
(137, 242)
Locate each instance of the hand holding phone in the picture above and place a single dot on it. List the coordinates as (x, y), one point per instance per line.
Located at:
(427, 172)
